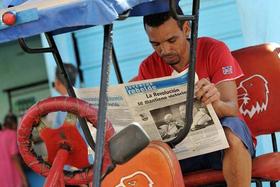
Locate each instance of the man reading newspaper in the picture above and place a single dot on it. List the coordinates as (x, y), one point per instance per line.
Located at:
(217, 71)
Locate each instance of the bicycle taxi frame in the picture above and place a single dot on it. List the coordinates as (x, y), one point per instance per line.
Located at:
(37, 16)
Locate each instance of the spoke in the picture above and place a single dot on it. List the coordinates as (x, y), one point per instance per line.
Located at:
(70, 119)
(41, 125)
(37, 130)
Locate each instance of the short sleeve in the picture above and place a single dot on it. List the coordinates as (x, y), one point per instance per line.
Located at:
(222, 64)
(153, 67)
(142, 71)
(147, 68)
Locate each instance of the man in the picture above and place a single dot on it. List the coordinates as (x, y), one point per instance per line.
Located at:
(60, 83)
(171, 127)
(217, 71)
(61, 87)
(201, 118)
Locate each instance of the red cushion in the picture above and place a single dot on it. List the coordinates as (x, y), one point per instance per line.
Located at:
(156, 165)
(261, 66)
(267, 166)
(66, 134)
(203, 177)
(258, 89)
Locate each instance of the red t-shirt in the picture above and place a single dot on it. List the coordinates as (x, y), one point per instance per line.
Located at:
(213, 61)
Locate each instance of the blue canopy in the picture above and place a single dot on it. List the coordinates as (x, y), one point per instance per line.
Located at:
(37, 16)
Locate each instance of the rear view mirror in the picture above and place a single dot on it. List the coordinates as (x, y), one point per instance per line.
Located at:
(127, 143)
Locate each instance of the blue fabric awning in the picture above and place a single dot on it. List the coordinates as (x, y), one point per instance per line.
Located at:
(38, 16)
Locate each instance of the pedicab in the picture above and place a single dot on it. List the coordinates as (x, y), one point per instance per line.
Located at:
(36, 16)
(52, 17)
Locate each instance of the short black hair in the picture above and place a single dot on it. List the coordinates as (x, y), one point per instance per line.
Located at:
(9, 120)
(71, 71)
(155, 20)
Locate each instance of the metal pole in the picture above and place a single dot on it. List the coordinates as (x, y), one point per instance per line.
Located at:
(69, 87)
(274, 142)
(191, 73)
(77, 57)
(116, 66)
(102, 106)
(59, 63)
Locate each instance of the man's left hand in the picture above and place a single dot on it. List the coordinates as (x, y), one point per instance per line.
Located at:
(206, 92)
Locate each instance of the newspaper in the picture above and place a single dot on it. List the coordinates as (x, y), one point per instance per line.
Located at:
(158, 105)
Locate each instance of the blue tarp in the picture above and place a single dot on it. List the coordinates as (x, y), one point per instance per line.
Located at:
(38, 16)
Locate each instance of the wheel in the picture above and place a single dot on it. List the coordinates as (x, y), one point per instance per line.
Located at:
(31, 120)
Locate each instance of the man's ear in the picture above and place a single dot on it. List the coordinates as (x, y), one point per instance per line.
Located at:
(187, 28)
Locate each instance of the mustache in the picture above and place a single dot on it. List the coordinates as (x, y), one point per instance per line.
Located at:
(168, 55)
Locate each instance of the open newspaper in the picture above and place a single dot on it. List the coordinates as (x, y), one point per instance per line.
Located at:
(158, 105)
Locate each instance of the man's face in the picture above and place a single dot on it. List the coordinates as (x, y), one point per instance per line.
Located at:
(56, 84)
(59, 87)
(169, 42)
(168, 118)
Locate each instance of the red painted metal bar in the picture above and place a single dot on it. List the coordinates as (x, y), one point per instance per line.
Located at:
(55, 176)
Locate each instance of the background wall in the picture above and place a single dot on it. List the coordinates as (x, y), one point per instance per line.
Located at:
(259, 21)
(18, 68)
(218, 19)
(260, 24)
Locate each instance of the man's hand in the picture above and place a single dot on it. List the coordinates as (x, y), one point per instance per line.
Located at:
(206, 92)
(222, 96)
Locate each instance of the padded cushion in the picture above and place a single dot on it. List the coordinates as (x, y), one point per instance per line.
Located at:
(267, 166)
(259, 100)
(258, 89)
(203, 177)
(156, 165)
(66, 134)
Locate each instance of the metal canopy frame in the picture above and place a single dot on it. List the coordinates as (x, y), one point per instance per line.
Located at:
(191, 73)
(109, 56)
(53, 49)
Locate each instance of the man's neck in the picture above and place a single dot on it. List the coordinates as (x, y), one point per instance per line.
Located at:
(179, 70)
(63, 91)
(181, 66)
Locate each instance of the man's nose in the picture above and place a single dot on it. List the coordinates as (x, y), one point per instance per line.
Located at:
(164, 49)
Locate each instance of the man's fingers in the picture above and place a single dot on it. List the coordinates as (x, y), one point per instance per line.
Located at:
(211, 91)
(201, 83)
(204, 90)
(207, 93)
(212, 99)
